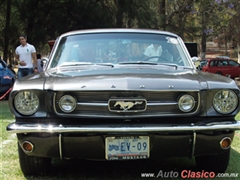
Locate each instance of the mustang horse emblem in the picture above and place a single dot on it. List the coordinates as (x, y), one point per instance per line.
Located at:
(126, 105)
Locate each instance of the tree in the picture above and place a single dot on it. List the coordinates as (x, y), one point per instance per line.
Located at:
(43, 20)
(6, 35)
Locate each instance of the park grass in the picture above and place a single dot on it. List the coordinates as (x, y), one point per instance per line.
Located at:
(95, 170)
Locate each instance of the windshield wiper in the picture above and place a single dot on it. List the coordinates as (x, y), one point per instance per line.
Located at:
(166, 64)
(75, 64)
(150, 63)
(188, 68)
(105, 64)
(139, 62)
(84, 64)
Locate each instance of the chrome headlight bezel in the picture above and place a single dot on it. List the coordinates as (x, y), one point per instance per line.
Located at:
(26, 102)
(225, 101)
(186, 103)
(67, 103)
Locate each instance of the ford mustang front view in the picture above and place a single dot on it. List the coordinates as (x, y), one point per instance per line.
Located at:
(123, 94)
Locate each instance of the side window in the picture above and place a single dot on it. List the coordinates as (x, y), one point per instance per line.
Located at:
(213, 63)
(225, 63)
(222, 63)
(2, 65)
(233, 63)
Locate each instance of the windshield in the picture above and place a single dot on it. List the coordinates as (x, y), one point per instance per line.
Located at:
(119, 48)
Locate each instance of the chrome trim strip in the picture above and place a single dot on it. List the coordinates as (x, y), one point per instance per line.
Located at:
(193, 143)
(106, 104)
(60, 145)
(161, 104)
(40, 128)
(92, 104)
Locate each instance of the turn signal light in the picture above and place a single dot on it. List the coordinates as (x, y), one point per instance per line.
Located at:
(27, 146)
(225, 143)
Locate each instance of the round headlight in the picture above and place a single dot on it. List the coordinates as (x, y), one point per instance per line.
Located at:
(67, 103)
(26, 102)
(186, 103)
(225, 101)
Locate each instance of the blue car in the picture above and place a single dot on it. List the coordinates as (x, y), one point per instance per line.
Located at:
(7, 78)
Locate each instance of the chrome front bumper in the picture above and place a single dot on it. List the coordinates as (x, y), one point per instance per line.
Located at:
(48, 128)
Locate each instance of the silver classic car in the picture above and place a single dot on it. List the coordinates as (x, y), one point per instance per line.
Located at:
(123, 94)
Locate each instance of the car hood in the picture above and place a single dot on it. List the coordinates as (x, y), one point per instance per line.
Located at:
(124, 78)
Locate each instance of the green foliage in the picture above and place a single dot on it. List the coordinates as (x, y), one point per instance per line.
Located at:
(46, 20)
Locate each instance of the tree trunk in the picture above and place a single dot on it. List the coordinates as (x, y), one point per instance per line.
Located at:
(162, 13)
(238, 52)
(6, 34)
(120, 11)
(225, 43)
(204, 35)
(203, 44)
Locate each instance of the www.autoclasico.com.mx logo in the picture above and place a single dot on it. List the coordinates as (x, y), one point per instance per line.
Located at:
(187, 174)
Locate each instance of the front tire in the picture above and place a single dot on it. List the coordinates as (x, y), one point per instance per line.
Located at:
(32, 165)
(216, 163)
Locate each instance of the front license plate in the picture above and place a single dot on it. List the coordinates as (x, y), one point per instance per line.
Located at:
(127, 148)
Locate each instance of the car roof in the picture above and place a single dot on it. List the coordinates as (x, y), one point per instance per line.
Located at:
(223, 57)
(119, 30)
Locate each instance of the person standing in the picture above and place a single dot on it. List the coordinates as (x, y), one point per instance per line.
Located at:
(26, 57)
(40, 64)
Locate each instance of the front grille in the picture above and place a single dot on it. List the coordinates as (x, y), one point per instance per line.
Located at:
(101, 103)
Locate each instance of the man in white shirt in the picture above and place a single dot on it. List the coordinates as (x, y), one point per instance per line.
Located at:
(158, 50)
(153, 50)
(26, 57)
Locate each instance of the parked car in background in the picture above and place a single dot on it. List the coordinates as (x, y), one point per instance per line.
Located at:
(201, 63)
(225, 67)
(101, 98)
(7, 78)
(223, 57)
